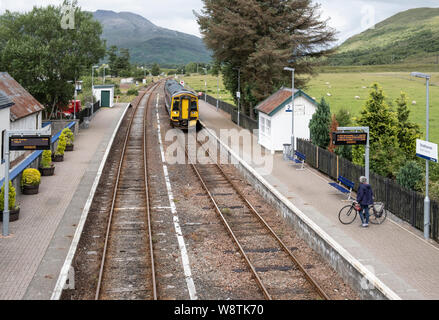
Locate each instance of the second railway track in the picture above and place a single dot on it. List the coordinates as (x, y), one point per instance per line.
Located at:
(127, 268)
(278, 273)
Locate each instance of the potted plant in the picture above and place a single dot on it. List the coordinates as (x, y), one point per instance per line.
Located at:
(14, 211)
(70, 137)
(46, 166)
(59, 154)
(30, 181)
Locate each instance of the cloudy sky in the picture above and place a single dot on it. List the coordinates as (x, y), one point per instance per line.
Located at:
(347, 16)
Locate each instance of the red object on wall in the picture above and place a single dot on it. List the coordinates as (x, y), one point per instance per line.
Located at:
(74, 107)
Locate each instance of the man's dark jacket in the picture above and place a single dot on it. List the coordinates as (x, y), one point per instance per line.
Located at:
(365, 195)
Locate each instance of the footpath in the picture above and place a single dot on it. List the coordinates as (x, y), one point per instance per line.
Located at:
(394, 251)
(32, 257)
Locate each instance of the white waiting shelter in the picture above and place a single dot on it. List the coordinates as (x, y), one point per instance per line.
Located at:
(275, 118)
(104, 94)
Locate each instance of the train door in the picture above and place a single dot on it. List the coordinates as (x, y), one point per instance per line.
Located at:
(185, 108)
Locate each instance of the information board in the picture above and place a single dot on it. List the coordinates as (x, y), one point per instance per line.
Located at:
(26, 143)
(349, 138)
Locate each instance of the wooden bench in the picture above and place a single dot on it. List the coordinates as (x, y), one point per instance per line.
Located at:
(299, 158)
(342, 183)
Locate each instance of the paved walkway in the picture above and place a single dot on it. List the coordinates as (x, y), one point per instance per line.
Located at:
(33, 256)
(394, 251)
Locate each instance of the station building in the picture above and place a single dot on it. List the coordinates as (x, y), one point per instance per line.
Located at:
(104, 94)
(19, 110)
(275, 118)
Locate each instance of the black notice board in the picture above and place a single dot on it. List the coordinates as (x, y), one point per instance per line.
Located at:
(349, 138)
(29, 143)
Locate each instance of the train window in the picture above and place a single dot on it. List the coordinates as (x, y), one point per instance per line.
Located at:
(194, 105)
(176, 106)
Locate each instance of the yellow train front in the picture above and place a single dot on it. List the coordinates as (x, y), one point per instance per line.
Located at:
(182, 105)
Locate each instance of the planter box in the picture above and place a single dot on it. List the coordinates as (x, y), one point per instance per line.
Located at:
(58, 158)
(69, 148)
(30, 190)
(47, 172)
(13, 215)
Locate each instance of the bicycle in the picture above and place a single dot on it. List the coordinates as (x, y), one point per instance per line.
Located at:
(348, 214)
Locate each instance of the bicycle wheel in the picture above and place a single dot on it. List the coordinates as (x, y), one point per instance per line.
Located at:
(378, 219)
(347, 214)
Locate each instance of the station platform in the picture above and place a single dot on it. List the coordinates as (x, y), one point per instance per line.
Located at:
(394, 252)
(32, 257)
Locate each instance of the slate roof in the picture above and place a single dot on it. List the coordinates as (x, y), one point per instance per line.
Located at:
(24, 103)
(279, 99)
(5, 102)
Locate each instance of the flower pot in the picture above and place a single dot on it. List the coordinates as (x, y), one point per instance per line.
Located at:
(47, 172)
(13, 215)
(69, 148)
(30, 190)
(58, 158)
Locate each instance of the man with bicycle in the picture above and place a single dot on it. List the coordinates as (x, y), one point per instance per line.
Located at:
(365, 199)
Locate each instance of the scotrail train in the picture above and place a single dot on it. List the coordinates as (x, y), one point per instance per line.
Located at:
(182, 106)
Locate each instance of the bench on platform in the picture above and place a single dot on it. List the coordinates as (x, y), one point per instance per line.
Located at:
(299, 158)
(342, 183)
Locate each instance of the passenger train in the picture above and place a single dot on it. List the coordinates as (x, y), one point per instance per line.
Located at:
(182, 105)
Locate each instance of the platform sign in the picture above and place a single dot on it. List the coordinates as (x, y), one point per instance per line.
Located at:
(29, 143)
(349, 138)
(426, 150)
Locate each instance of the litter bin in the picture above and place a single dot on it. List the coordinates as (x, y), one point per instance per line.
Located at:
(287, 150)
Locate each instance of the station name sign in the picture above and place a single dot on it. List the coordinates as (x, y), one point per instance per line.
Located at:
(349, 138)
(426, 150)
(29, 143)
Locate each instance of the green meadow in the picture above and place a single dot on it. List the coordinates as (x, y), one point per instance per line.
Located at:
(350, 90)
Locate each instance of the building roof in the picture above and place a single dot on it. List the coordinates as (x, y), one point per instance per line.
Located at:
(5, 102)
(104, 86)
(24, 103)
(280, 99)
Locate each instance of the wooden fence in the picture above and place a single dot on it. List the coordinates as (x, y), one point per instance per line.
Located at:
(406, 204)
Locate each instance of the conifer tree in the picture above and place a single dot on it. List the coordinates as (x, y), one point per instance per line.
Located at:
(319, 125)
(260, 38)
(408, 131)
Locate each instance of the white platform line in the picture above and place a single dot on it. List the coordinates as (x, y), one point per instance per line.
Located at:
(62, 278)
(178, 232)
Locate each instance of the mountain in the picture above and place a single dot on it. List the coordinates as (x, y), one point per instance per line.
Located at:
(409, 36)
(149, 43)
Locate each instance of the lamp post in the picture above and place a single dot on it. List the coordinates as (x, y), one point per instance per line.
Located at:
(217, 97)
(238, 94)
(427, 77)
(103, 80)
(293, 141)
(92, 88)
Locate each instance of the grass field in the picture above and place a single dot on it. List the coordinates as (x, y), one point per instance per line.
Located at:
(345, 86)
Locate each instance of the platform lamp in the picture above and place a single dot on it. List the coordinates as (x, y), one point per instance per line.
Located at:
(293, 142)
(427, 77)
(92, 87)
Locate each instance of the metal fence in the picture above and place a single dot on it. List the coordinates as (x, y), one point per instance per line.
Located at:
(88, 112)
(244, 121)
(406, 204)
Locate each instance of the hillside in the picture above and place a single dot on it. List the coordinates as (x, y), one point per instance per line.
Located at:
(409, 36)
(149, 43)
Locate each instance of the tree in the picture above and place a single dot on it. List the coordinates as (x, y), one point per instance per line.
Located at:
(408, 131)
(343, 118)
(319, 125)
(155, 70)
(410, 175)
(43, 57)
(260, 38)
(334, 126)
(386, 155)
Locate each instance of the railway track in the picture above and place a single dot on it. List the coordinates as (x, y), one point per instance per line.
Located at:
(127, 269)
(277, 271)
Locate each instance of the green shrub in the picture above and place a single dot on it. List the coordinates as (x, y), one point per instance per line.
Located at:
(12, 195)
(31, 177)
(46, 159)
(70, 137)
(62, 143)
(133, 92)
(410, 175)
